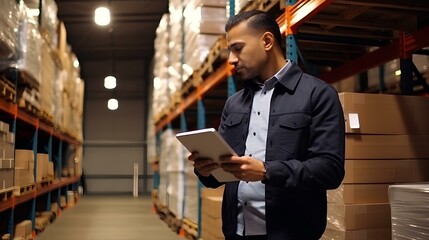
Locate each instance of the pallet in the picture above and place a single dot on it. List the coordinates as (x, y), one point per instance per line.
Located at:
(46, 117)
(20, 76)
(216, 56)
(44, 183)
(28, 106)
(7, 90)
(23, 190)
(6, 194)
(264, 5)
(190, 229)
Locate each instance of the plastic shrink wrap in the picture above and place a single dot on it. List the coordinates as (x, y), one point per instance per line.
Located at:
(410, 211)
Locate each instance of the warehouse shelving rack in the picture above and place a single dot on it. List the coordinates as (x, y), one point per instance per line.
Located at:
(41, 136)
(369, 34)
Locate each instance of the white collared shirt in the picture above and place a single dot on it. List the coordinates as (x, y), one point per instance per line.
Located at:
(251, 195)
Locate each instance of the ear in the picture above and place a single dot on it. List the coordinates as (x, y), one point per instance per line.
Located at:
(268, 39)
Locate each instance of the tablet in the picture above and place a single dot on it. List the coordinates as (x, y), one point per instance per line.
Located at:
(209, 143)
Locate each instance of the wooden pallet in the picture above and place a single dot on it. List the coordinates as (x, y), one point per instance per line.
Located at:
(190, 229)
(7, 90)
(27, 106)
(46, 117)
(23, 190)
(44, 183)
(264, 5)
(6, 194)
(216, 56)
(21, 76)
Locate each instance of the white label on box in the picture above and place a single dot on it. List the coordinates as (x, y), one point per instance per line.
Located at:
(354, 121)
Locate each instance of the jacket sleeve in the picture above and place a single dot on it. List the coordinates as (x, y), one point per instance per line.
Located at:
(323, 166)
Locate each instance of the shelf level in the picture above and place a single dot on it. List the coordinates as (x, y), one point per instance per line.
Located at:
(13, 110)
(56, 184)
(212, 80)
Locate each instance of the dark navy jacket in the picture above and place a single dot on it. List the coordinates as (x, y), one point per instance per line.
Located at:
(304, 155)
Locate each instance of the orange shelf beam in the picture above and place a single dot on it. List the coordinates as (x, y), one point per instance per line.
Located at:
(399, 48)
(14, 111)
(212, 80)
(297, 14)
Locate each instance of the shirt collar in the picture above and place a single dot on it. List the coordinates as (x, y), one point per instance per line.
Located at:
(281, 74)
(255, 85)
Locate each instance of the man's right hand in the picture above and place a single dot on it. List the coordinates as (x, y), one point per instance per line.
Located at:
(203, 165)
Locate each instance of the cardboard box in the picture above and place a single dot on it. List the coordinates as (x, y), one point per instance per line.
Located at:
(386, 171)
(343, 217)
(211, 226)
(23, 229)
(212, 192)
(359, 193)
(50, 170)
(23, 177)
(6, 150)
(6, 178)
(7, 163)
(24, 158)
(385, 114)
(4, 127)
(212, 206)
(42, 166)
(368, 234)
(387, 146)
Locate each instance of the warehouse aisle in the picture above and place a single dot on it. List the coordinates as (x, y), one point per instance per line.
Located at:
(109, 217)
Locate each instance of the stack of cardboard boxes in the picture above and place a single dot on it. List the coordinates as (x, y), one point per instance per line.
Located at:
(23, 230)
(6, 156)
(24, 167)
(211, 208)
(386, 143)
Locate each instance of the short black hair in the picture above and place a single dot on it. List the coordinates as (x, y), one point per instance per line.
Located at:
(258, 20)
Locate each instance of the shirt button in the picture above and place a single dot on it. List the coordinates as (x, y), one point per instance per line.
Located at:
(259, 113)
(250, 155)
(254, 134)
(245, 203)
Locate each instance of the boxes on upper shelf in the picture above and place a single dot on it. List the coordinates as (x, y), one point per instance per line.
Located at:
(385, 114)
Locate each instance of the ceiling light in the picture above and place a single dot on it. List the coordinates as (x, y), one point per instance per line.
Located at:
(398, 73)
(110, 82)
(33, 12)
(112, 104)
(102, 16)
(76, 63)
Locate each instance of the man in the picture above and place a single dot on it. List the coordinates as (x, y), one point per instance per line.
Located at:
(288, 130)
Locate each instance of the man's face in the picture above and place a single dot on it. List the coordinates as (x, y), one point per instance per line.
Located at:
(246, 51)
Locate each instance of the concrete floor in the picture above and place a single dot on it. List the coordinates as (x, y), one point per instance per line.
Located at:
(109, 217)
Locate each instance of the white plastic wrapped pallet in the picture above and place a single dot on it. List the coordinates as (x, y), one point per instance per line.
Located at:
(410, 210)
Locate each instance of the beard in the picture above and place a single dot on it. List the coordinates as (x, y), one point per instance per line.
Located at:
(243, 73)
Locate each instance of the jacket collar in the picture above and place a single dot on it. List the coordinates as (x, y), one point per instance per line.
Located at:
(289, 81)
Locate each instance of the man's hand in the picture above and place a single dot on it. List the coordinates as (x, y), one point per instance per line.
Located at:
(244, 168)
(203, 165)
